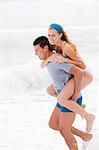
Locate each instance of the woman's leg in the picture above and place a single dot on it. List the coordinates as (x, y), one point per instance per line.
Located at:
(64, 99)
(65, 94)
(87, 78)
(51, 91)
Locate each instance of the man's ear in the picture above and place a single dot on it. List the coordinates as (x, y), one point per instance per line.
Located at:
(46, 48)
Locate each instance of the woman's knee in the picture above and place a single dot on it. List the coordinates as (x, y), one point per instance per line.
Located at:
(89, 76)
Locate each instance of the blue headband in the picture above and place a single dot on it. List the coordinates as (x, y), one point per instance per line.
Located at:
(57, 27)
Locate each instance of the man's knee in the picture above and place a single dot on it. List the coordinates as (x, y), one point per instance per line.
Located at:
(50, 124)
(53, 126)
(64, 130)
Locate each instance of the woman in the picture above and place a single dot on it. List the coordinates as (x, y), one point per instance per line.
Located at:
(61, 43)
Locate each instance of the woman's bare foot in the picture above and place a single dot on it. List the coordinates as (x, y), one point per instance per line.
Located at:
(89, 122)
(87, 137)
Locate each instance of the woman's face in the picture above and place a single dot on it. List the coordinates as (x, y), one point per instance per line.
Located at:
(53, 36)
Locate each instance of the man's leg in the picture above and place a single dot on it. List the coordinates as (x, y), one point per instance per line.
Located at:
(85, 136)
(54, 124)
(54, 119)
(66, 120)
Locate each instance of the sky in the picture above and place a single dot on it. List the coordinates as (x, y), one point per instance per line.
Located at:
(40, 13)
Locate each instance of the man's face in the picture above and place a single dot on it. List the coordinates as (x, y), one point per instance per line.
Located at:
(40, 52)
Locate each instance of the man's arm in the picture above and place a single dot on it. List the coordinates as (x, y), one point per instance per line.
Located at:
(45, 62)
(51, 90)
(78, 75)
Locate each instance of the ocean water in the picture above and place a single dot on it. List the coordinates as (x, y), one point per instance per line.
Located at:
(20, 68)
(25, 107)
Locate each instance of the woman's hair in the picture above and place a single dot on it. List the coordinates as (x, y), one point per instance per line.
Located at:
(64, 37)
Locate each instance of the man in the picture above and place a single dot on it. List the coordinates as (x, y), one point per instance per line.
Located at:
(62, 118)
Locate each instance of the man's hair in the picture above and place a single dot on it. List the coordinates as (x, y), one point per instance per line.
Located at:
(42, 41)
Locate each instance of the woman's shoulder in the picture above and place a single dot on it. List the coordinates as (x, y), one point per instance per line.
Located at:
(67, 45)
(67, 49)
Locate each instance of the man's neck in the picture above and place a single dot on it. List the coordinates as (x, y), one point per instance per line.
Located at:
(48, 54)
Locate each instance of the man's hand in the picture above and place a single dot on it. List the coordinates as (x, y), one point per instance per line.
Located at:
(74, 97)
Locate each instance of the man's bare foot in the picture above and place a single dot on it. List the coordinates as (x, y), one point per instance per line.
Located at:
(87, 137)
(89, 122)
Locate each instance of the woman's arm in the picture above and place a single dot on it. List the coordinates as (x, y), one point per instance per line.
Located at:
(78, 64)
(44, 63)
(62, 59)
(50, 58)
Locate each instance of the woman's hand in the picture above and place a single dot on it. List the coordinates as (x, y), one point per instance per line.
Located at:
(45, 62)
(59, 58)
